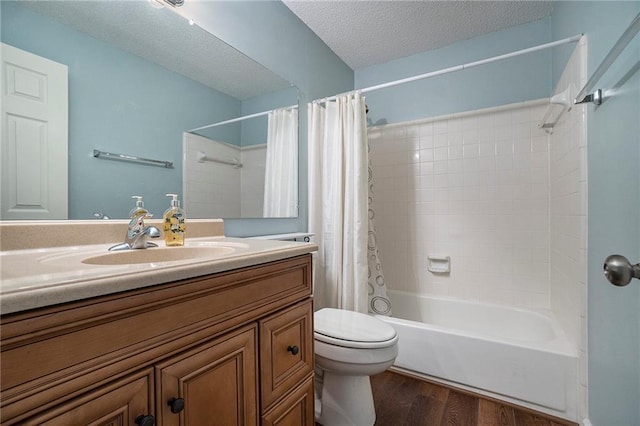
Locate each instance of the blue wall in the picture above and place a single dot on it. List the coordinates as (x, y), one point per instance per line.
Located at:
(141, 112)
(513, 80)
(613, 141)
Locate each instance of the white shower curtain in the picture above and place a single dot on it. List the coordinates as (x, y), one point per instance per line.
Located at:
(338, 176)
(281, 171)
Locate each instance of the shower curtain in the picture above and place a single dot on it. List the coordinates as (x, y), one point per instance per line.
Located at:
(281, 171)
(379, 302)
(345, 270)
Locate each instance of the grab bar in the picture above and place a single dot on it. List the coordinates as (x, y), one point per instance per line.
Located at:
(132, 159)
(558, 105)
(202, 157)
(623, 41)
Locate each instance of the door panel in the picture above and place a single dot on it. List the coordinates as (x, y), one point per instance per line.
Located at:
(614, 228)
(33, 153)
(217, 382)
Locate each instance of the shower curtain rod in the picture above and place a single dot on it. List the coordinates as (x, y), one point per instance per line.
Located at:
(245, 117)
(567, 40)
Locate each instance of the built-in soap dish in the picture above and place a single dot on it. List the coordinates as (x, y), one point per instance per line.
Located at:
(439, 264)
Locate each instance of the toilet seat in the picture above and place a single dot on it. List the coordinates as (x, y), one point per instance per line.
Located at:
(352, 329)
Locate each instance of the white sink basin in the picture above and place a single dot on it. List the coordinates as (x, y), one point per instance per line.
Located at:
(156, 255)
(193, 251)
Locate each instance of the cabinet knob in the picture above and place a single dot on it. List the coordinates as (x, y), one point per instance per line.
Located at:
(176, 404)
(293, 349)
(145, 420)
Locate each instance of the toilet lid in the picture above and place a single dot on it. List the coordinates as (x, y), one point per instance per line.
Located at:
(352, 329)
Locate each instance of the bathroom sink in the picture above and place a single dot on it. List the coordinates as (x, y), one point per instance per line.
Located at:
(155, 255)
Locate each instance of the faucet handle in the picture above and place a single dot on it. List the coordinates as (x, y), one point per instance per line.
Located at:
(152, 232)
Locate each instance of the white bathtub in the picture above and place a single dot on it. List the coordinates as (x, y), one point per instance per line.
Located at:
(512, 354)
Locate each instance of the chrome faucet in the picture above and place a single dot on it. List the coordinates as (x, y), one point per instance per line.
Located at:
(137, 232)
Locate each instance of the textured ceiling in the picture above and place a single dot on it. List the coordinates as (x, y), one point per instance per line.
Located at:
(165, 38)
(364, 32)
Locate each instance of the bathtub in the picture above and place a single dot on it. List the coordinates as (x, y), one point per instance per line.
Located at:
(511, 354)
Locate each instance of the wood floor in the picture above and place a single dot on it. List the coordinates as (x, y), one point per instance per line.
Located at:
(407, 401)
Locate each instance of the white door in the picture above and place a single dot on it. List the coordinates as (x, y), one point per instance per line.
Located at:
(33, 149)
(614, 228)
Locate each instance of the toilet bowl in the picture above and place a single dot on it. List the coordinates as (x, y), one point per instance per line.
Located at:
(349, 347)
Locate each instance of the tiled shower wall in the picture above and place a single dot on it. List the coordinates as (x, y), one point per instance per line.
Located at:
(210, 189)
(219, 190)
(472, 186)
(568, 225)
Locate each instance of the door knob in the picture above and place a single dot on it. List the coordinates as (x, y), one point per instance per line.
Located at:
(619, 271)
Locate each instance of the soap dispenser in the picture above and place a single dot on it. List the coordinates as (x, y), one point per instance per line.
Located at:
(174, 225)
(139, 209)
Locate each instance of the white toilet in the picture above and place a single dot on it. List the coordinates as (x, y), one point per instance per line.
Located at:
(349, 347)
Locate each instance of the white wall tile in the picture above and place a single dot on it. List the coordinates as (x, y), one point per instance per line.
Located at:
(567, 180)
(473, 174)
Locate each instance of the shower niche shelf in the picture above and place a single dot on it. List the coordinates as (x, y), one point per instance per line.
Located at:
(439, 264)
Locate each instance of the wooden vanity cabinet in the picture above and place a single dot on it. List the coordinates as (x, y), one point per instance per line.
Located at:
(234, 348)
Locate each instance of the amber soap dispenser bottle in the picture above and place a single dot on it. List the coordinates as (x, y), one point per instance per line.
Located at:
(174, 225)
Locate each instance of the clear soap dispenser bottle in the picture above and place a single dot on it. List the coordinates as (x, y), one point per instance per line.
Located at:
(139, 209)
(174, 225)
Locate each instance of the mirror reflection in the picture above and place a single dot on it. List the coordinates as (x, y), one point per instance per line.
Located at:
(253, 177)
(141, 80)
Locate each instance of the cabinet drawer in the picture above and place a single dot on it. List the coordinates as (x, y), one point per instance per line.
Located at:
(117, 403)
(296, 409)
(286, 348)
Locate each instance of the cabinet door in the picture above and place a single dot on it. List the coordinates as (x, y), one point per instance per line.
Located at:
(286, 349)
(119, 403)
(215, 383)
(295, 410)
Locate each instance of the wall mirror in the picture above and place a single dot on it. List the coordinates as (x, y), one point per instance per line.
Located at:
(145, 82)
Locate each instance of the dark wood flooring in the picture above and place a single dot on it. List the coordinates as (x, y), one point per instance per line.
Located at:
(402, 400)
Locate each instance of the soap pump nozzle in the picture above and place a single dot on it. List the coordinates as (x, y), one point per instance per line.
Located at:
(174, 201)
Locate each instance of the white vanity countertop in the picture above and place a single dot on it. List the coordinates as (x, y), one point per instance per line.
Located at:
(41, 277)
